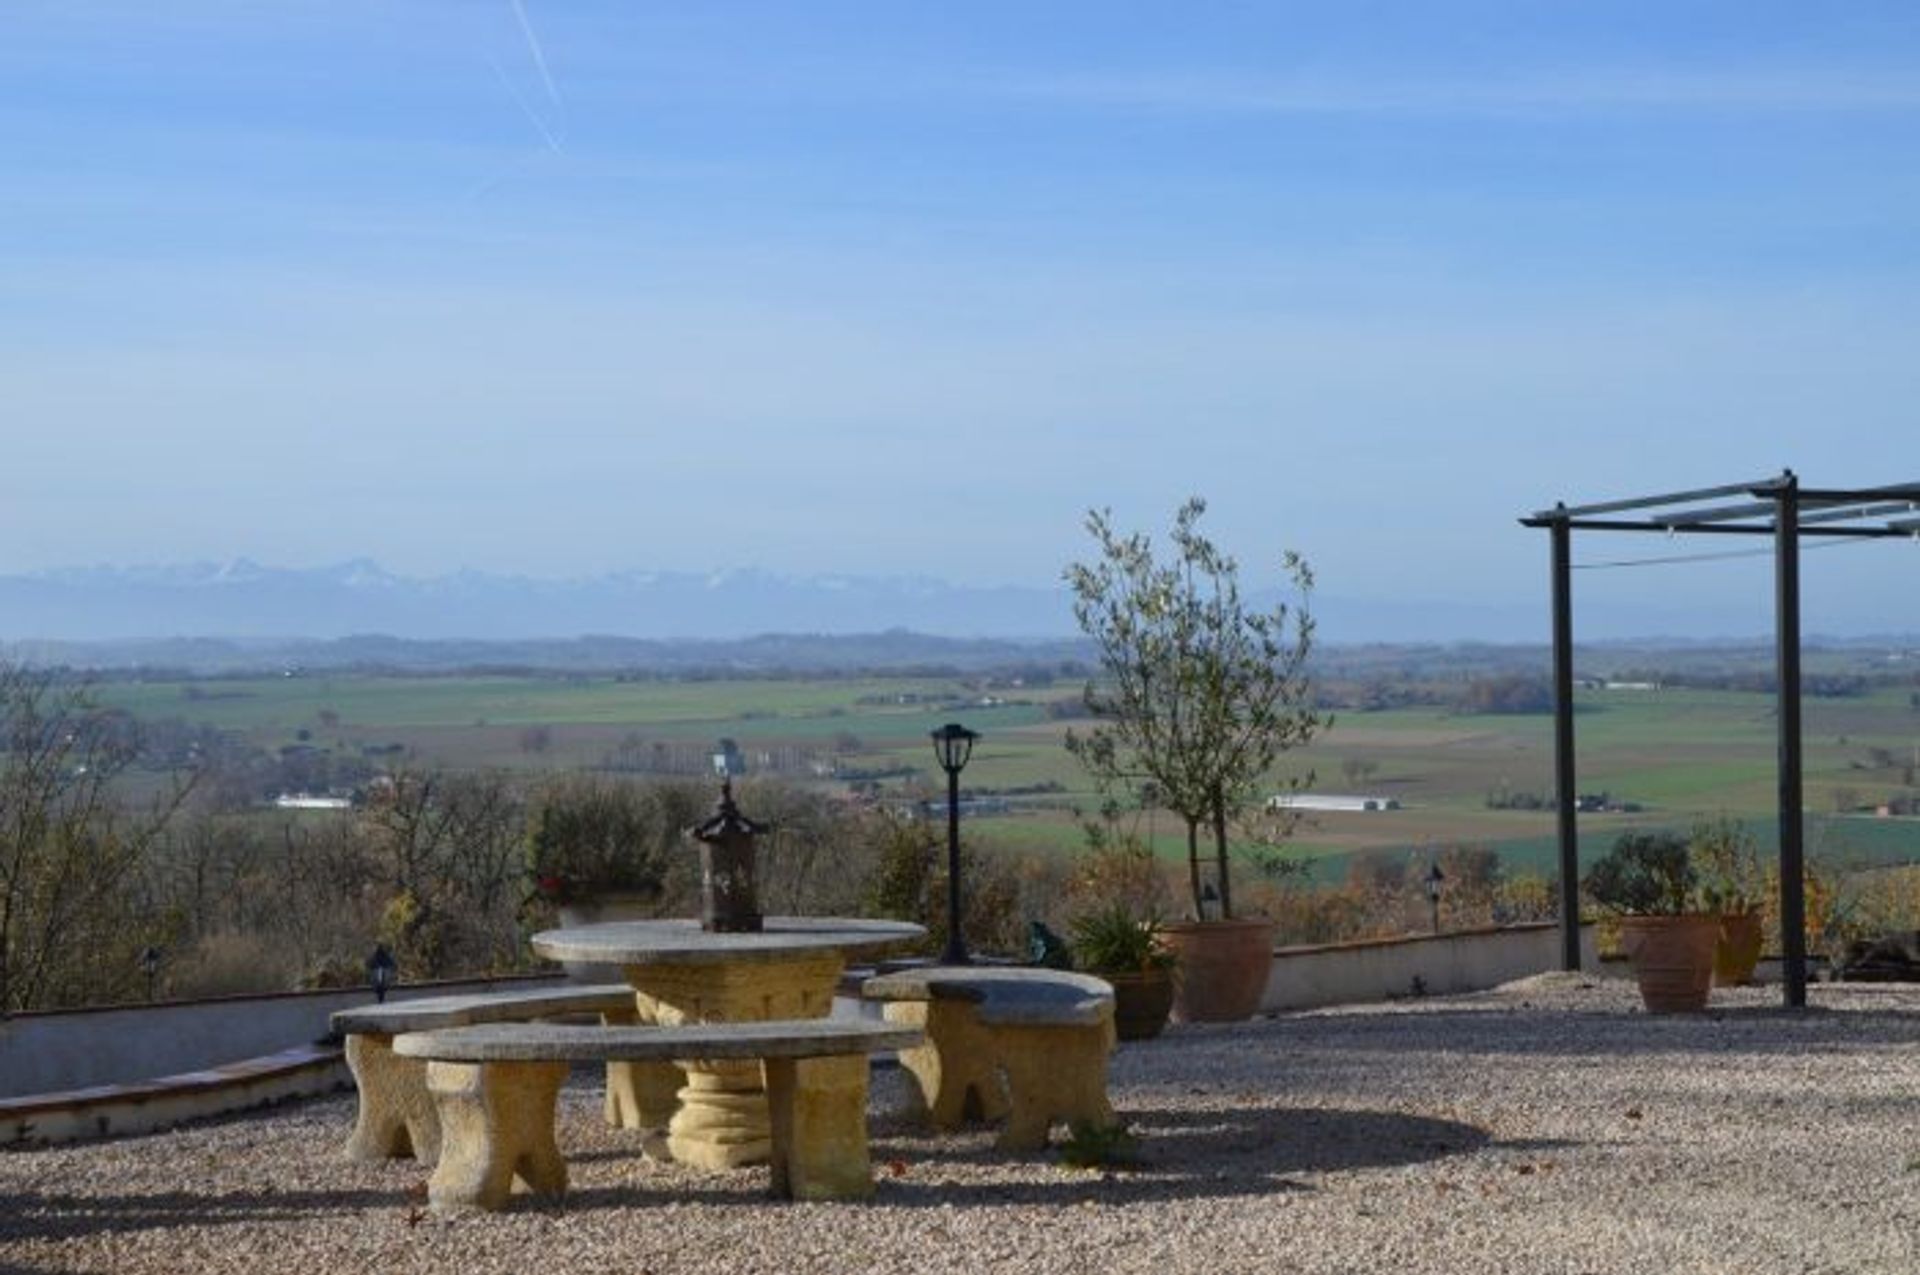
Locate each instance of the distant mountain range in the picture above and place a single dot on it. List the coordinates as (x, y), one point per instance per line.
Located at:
(183, 613)
(245, 600)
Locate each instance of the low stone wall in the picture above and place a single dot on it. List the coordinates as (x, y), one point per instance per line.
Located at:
(62, 1050)
(1432, 964)
(160, 1103)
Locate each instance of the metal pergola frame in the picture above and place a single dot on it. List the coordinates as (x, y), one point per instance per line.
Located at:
(1777, 507)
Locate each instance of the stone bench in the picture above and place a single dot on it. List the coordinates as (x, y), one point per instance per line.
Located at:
(1015, 1041)
(397, 1117)
(495, 1087)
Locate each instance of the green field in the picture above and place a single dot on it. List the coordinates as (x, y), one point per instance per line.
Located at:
(1677, 754)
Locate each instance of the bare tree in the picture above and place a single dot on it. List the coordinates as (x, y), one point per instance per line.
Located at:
(69, 846)
(447, 852)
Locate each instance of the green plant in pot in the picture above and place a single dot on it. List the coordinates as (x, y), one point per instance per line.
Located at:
(1648, 880)
(1200, 695)
(1125, 949)
(1733, 884)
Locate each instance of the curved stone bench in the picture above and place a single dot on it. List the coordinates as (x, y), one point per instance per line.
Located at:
(495, 1088)
(1015, 1041)
(397, 1117)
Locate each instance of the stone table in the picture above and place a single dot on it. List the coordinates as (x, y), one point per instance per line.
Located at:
(683, 974)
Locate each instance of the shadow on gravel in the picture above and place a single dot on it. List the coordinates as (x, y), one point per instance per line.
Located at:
(46, 1215)
(1197, 1154)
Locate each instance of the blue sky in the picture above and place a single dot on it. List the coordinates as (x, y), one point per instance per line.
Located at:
(563, 288)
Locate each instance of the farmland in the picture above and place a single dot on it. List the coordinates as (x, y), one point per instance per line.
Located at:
(1675, 754)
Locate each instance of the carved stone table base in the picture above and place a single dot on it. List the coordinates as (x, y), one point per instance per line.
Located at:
(722, 1122)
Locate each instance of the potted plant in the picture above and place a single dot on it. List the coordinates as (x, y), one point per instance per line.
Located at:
(1649, 881)
(1200, 695)
(1125, 949)
(1733, 884)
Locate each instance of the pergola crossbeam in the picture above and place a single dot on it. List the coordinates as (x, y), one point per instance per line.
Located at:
(1843, 495)
(1649, 502)
(1718, 513)
(1861, 511)
(1723, 528)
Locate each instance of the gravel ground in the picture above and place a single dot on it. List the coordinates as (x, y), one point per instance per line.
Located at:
(1548, 1126)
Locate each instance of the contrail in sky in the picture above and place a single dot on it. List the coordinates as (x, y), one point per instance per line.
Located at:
(539, 55)
(533, 117)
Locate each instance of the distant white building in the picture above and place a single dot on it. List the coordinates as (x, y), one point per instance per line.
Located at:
(1331, 803)
(306, 801)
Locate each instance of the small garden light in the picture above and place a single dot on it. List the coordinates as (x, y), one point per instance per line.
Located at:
(953, 745)
(150, 966)
(382, 971)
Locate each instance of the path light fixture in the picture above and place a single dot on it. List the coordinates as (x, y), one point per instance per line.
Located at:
(150, 966)
(382, 972)
(953, 745)
(1435, 880)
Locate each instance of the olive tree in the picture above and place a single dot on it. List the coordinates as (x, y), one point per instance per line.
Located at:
(1201, 692)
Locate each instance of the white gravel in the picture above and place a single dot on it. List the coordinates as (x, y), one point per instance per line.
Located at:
(1549, 1126)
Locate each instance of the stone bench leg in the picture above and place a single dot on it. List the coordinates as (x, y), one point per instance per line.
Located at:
(1054, 1075)
(397, 1116)
(642, 1095)
(958, 1068)
(496, 1121)
(818, 1110)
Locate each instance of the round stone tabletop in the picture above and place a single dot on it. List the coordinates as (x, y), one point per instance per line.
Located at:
(683, 942)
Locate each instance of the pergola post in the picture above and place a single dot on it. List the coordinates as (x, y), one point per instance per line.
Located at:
(1563, 765)
(1793, 909)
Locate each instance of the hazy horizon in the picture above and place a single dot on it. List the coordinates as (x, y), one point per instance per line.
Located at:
(243, 599)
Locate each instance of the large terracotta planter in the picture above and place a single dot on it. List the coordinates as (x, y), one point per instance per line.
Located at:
(1223, 968)
(1738, 951)
(1142, 999)
(1672, 956)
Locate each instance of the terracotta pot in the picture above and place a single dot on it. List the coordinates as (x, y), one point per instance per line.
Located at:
(1738, 950)
(1223, 968)
(1141, 1001)
(1672, 956)
(597, 909)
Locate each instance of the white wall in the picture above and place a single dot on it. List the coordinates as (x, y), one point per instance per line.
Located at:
(1345, 973)
(72, 1049)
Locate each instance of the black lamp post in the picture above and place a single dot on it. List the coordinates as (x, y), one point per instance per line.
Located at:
(150, 966)
(953, 744)
(1434, 879)
(382, 970)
